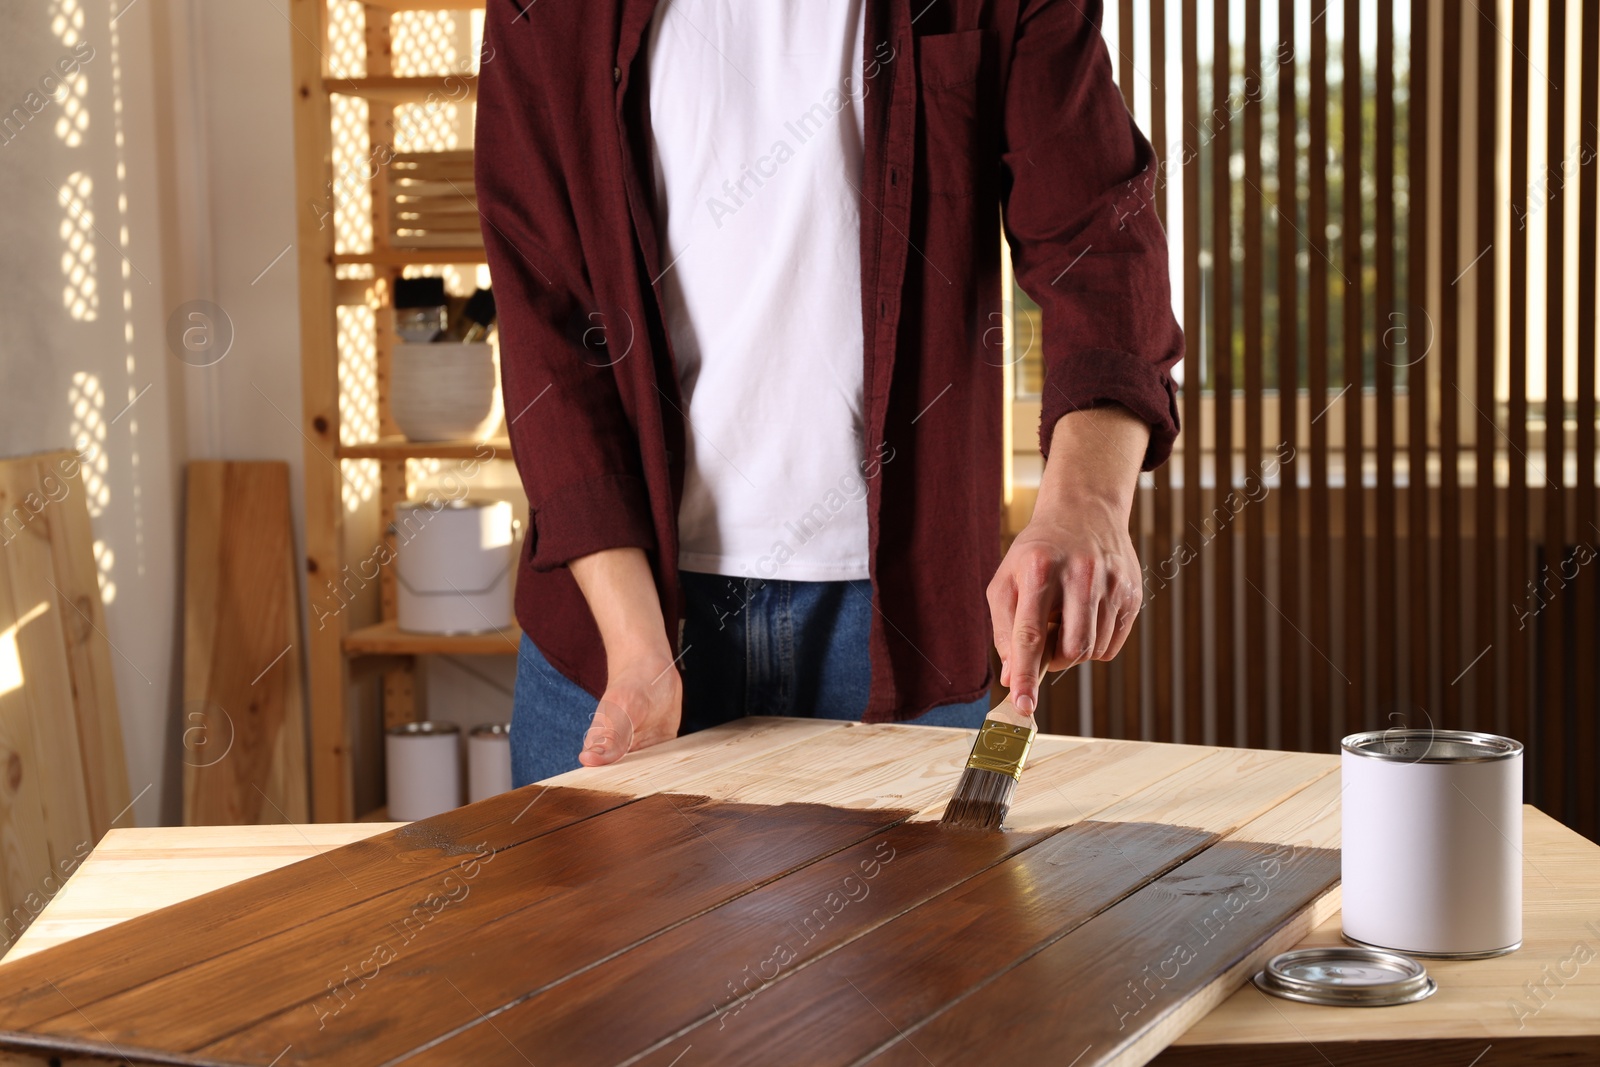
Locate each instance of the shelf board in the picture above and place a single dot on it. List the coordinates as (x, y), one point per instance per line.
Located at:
(387, 639)
(426, 5)
(411, 257)
(457, 88)
(398, 448)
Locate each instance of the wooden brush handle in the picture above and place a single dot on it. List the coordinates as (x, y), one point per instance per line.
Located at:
(1006, 712)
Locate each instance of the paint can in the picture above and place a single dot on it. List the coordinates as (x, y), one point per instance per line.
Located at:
(1431, 850)
(453, 565)
(423, 765)
(488, 761)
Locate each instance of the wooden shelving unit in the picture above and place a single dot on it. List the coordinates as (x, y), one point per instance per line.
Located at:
(337, 645)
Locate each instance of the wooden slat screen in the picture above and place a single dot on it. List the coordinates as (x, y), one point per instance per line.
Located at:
(1382, 508)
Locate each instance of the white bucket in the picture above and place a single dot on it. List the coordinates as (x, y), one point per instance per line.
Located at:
(1431, 842)
(453, 566)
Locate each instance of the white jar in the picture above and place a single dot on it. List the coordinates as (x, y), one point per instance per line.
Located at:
(1431, 839)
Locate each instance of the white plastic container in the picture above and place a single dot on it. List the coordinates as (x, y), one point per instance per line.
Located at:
(453, 566)
(488, 761)
(1431, 825)
(423, 765)
(448, 391)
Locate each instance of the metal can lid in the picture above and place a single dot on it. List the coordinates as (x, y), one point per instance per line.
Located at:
(1347, 976)
(424, 728)
(490, 729)
(1424, 745)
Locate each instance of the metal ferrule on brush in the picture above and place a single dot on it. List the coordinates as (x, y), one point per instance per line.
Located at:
(1002, 748)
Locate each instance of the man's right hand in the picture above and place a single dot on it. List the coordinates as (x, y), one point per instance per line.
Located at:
(643, 701)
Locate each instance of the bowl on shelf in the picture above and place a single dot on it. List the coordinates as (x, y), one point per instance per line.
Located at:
(444, 391)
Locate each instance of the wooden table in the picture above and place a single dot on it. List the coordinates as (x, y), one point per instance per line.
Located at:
(1061, 921)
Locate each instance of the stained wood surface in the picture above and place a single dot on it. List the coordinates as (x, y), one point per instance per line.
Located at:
(539, 911)
(899, 940)
(63, 781)
(244, 739)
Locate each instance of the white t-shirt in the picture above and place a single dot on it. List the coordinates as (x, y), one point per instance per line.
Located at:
(756, 110)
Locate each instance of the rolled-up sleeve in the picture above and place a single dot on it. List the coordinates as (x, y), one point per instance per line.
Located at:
(1079, 205)
(576, 450)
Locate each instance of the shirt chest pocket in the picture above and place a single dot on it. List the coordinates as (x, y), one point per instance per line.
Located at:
(955, 146)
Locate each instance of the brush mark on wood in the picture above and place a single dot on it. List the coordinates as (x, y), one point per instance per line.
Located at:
(1107, 982)
(145, 948)
(911, 968)
(739, 951)
(526, 917)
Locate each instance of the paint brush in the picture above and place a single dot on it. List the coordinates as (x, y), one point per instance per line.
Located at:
(983, 795)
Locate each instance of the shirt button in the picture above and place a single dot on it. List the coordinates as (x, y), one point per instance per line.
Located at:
(616, 75)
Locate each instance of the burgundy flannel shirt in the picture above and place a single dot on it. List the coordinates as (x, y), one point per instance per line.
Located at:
(974, 109)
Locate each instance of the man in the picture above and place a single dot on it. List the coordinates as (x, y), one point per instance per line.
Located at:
(747, 261)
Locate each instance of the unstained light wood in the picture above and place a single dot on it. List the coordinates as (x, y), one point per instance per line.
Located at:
(244, 733)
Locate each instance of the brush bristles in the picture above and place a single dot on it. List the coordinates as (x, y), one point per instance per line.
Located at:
(981, 800)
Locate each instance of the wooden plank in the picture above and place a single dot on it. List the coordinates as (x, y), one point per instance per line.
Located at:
(416, 89)
(1587, 813)
(332, 736)
(76, 582)
(135, 871)
(1163, 700)
(1480, 713)
(1130, 665)
(25, 853)
(1222, 545)
(1125, 49)
(145, 949)
(1003, 914)
(1515, 585)
(1519, 1003)
(387, 639)
(1192, 632)
(1255, 542)
(1548, 758)
(1117, 988)
(542, 910)
(1418, 341)
(1321, 591)
(244, 729)
(1291, 643)
(1386, 354)
(45, 821)
(1353, 710)
(922, 858)
(1452, 262)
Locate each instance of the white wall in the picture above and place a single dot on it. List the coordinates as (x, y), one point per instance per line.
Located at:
(83, 309)
(181, 135)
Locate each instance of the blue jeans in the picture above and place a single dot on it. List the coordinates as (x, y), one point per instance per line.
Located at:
(750, 647)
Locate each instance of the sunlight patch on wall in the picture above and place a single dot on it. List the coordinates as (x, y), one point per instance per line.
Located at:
(80, 295)
(66, 22)
(87, 399)
(103, 560)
